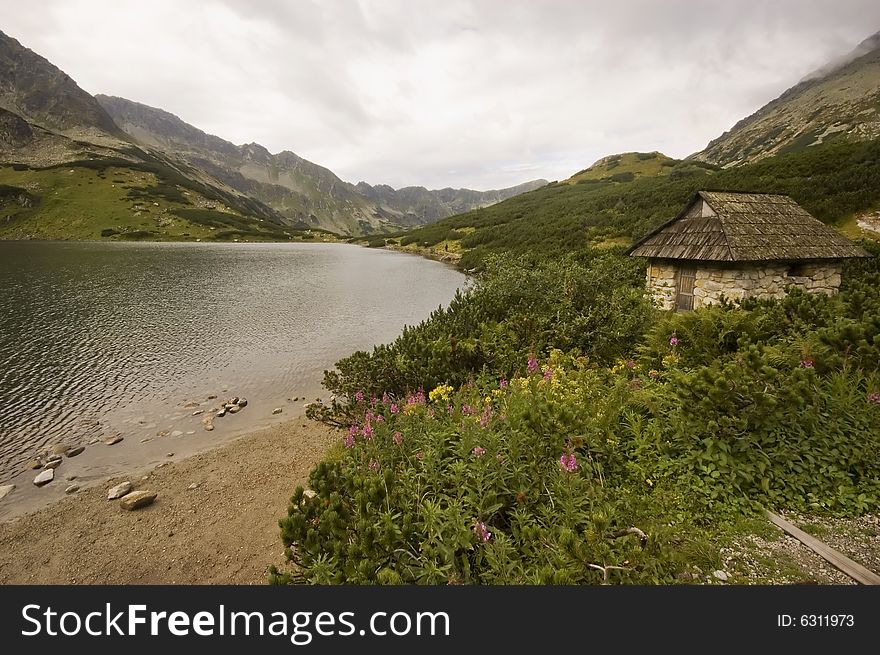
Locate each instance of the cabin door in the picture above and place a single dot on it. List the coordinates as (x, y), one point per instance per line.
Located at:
(686, 278)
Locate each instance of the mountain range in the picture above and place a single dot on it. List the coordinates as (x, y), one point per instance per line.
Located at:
(73, 165)
(47, 121)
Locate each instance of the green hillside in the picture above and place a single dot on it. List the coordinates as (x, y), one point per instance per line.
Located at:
(625, 167)
(832, 181)
(119, 199)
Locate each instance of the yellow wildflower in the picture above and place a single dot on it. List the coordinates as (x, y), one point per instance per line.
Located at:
(442, 392)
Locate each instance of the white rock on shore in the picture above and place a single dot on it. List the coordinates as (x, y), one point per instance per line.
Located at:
(45, 477)
(119, 490)
(111, 441)
(277, 410)
(76, 450)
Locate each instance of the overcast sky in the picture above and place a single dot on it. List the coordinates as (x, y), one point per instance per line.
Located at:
(480, 94)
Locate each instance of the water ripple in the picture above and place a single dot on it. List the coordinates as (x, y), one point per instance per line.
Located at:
(109, 332)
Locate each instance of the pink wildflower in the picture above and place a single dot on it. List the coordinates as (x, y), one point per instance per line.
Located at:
(630, 363)
(374, 465)
(874, 398)
(482, 531)
(397, 438)
(380, 419)
(367, 431)
(394, 408)
(359, 396)
(385, 399)
(548, 374)
(806, 363)
(478, 451)
(568, 462)
(532, 365)
(467, 409)
(503, 384)
(673, 341)
(348, 441)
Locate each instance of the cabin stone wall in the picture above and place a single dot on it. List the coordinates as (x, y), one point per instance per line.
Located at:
(742, 281)
(662, 284)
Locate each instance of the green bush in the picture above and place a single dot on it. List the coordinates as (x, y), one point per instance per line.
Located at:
(462, 488)
(593, 304)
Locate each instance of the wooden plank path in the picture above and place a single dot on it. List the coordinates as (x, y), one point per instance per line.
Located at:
(853, 569)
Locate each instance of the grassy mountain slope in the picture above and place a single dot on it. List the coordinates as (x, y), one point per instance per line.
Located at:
(294, 186)
(833, 181)
(841, 101)
(114, 198)
(625, 167)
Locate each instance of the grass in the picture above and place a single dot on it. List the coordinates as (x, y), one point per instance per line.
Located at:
(849, 227)
(121, 203)
(625, 167)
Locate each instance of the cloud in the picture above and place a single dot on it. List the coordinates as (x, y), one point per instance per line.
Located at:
(479, 94)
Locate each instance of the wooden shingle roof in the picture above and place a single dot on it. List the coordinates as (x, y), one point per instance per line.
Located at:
(743, 227)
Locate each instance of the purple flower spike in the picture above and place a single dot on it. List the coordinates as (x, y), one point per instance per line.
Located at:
(482, 531)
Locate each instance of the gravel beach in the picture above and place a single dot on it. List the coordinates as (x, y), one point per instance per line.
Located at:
(214, 521)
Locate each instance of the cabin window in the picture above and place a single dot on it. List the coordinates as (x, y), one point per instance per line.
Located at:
(686, 278)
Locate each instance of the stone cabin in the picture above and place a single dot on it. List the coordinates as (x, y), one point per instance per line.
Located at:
(741, 245)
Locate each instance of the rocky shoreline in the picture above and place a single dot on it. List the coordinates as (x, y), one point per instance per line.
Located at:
(209, 518)
(110, 448)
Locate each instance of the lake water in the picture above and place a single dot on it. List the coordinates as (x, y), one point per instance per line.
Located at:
(105, 338)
